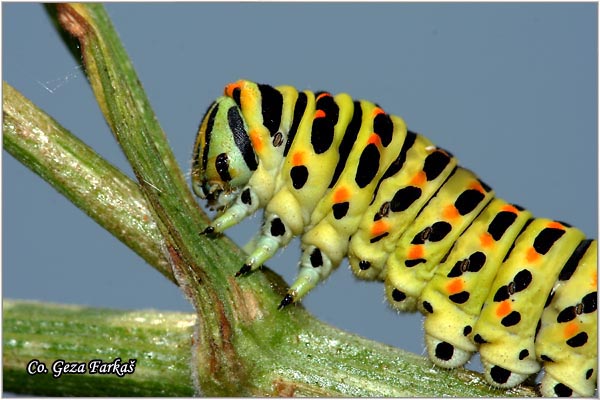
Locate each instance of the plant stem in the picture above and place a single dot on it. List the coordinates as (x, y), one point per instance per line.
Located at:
(103, 192)
(128, 113)
(158, 341)
(316, 361)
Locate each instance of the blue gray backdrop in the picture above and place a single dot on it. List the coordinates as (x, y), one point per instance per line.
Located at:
(511, 89)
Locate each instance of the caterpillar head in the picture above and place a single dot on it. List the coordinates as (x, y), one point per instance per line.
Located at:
(223, 159)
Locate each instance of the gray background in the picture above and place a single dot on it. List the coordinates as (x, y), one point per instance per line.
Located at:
(511, 89)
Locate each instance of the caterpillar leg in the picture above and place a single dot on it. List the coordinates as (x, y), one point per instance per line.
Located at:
(553, 387)
(323, 249)
(275, 234)
(244, 205)
(445, 354)
(315, 266)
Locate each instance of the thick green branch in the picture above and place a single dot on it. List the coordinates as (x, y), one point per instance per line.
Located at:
(316, 361)
(128, 112)
(159, 342)
(91, 183)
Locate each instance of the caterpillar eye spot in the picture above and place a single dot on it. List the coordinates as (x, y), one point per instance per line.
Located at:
(424, 236)
(385, 209)
(464, 265)
(278, 139)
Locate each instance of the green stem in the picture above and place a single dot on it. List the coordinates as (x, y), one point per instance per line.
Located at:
(315, 361)
(103, 192)
(128, 113)
(159, 342)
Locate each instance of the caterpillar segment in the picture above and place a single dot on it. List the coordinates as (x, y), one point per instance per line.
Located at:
(302, 182)
(429, 237)
(568, 331)
(353, 182)
(453, 299)
(407, 185)
(338, 213)
(506, 327)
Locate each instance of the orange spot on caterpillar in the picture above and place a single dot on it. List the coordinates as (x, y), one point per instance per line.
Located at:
(595, 279)
(503, 309)
(510, 208)
(475, 185)
(377, 111)
(532, 255)
(324, 94)
(556, 225)
(341, 195)
(231, 87)
(379, 227)
(570, 330)
(319, 114)
(298, 158)
(486, 240)
(419, 179)
(450, 212)
(374, 139)
(257, 142)
(456, 285)
(248, 97)
(416, 251)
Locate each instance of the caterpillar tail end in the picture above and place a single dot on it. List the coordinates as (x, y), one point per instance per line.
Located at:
(287, 300)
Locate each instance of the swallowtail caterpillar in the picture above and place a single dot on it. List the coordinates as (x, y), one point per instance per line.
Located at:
(354, 182)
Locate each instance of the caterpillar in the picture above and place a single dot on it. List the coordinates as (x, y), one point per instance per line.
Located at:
(354, 182)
